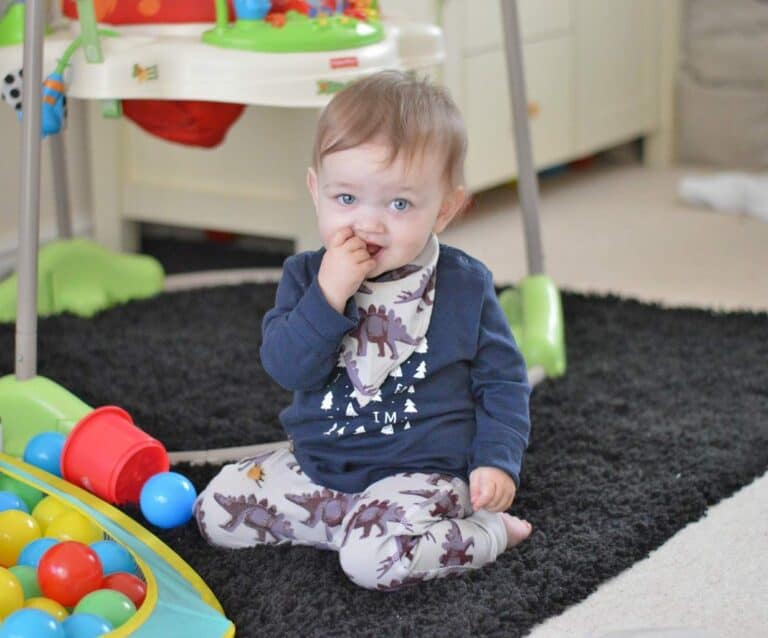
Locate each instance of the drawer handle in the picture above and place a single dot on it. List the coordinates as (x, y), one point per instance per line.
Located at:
(534, 108)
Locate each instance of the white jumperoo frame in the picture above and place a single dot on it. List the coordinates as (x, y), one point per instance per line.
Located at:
(26, 317)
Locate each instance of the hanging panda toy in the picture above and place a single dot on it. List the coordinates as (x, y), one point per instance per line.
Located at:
(11, 90)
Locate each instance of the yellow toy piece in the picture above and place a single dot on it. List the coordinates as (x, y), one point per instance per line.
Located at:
(73, 526)
(11, 593)
(16, 530)
(49, 606)
(47, 510)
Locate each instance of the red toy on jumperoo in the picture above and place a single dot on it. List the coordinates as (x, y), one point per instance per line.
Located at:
(190, 122)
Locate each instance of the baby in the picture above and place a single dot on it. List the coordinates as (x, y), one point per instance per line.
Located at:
(410, 410)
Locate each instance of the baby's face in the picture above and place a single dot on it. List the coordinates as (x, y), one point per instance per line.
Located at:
(393, 208)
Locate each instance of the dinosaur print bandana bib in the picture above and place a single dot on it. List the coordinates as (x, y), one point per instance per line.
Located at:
(394, 312)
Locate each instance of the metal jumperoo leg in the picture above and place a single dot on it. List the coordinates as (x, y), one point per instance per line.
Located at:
(60, 186)
(29, 222)
(528, 186)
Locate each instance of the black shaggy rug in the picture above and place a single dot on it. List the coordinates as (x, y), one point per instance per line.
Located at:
(662, 413)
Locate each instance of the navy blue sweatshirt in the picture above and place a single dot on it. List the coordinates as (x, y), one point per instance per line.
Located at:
(461, 404)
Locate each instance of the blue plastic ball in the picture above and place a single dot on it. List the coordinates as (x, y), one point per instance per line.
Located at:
(33, 551)
(11, 501)
(80, 625)
(44, 451)
(166, 499)
(31, 623)
(114, 558)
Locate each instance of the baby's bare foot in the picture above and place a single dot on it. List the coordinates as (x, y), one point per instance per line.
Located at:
(517, 529)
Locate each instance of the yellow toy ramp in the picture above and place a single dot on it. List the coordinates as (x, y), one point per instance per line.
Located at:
(178, 603)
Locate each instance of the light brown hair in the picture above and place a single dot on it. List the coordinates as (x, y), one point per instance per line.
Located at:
(410, 114)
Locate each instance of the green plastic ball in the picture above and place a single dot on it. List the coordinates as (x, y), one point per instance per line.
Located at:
(115, 607)
(27, 576)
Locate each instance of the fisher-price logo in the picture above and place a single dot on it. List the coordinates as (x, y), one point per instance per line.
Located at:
(344, 63)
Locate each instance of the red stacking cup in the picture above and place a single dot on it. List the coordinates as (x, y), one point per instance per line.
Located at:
(108, 455)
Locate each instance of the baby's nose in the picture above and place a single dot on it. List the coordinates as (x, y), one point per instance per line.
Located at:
(369, 223)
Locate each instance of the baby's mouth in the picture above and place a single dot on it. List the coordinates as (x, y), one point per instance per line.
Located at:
(372, 249)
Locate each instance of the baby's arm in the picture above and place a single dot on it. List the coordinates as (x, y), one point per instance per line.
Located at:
(302, 333)
(501, 390)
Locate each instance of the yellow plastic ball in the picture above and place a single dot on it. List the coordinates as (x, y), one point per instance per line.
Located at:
(73, 526)
(11, 593)
(49, 606)
(16, 530)
(48, 509)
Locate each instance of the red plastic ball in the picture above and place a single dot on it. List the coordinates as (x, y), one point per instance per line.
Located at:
(128, 584)
(68, 571)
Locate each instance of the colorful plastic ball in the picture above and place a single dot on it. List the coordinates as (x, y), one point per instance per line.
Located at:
(11, 593)
(44, 451)
(69, 571)
(48, 509)
(31, 623)
(114, 558)
(86, 626)
(167, 499)
(16, 530)
(30, 495)
(117, 608)
(128, 584)
(11, 501)
(48, 606)
(73, 526)
(27, 576)
(34, 550)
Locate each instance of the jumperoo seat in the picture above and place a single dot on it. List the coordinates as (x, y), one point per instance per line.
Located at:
(535, 316)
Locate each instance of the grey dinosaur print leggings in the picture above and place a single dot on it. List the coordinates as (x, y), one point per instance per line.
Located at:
(402, 530)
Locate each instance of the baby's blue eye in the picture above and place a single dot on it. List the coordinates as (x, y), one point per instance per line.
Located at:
(400, 204)
(345, 199)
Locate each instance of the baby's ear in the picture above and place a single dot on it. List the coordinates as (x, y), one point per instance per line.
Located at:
(453, 202)
(312, 184)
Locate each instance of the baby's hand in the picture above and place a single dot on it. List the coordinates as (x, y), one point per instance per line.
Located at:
(344, 267)
(491, 489)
